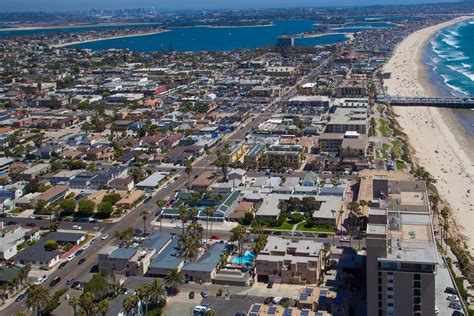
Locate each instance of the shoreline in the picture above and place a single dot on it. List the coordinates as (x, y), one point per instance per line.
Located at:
(107, 38)
(348, 35)
(74, 26)
(440, 143)
(33, 28)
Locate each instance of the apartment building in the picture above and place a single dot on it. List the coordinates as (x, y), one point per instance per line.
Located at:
(348, 119)
(401, 250)
(290, 261)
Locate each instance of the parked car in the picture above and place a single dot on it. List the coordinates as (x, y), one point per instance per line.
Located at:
(453, 298)
(55, 281)
(450, 290)
(268, 300)
(70, 281)
(455, 305)
(147, 199)
(323, 236)
(93, 241)
(12, 223)
(71, 257)
(204, 294)
(62, 264)
(457, 313)
(310, 235)
(31, 224)
(105, 236)
(41, 280)
(76, 227)
(79, 252)
(81, 261)
(191, 295)
(270, 285)
(76, 285)
(215, 237)
(20, 297)
(298, 234)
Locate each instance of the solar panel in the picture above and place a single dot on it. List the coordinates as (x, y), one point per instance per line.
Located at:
(323, 292)
(255, 309)
(272, 310)
(253, 314)
(309, 291)
(303, 296)
(287, 312)
(304, 312)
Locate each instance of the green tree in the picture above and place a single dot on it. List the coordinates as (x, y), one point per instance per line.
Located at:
(50, 245)
(112, 198)
(67, 207)
(98, 286)
(104, 209)
(130, 303)
(238, 234)
(86, 208)
(74, 303)
(40, 206)
(296, 218)
(103, 306)
(88, 304)
(38, 297)
(174, 280)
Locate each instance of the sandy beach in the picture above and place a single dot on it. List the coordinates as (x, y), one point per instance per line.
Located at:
(441, 144)
(108, 38)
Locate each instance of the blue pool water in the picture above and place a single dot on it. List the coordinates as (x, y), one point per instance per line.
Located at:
(247, 258)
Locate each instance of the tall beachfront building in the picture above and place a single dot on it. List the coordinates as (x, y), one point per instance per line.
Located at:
(401, 251)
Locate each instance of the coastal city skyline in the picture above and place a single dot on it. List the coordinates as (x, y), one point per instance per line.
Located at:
(258, 158)
(68, 5)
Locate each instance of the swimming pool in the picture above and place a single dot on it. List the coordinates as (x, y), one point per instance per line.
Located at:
(247, 258)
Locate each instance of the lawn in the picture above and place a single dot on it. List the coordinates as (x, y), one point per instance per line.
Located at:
(384, 129)
(315, 229)
(380, 108)
(401, 165)
(284, 226)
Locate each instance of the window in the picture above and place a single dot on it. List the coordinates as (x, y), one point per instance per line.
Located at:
(389, 288)
(417, 284)
(390, 304)
(390, 296)
(416, 276)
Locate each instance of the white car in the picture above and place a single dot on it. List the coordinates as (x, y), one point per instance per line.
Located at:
(179, 226)
(453, 298)
(71, 257)
(104, 237)
(41, 280)
(76, 227)
(86, 246)
(344, 239)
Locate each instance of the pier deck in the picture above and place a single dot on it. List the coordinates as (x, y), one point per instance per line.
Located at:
(441, 102)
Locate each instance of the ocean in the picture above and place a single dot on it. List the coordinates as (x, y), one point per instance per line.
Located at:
(450, 60)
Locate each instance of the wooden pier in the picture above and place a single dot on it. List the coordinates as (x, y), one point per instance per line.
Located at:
(451, 102)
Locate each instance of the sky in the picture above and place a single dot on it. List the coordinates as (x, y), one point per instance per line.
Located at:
(61, 5)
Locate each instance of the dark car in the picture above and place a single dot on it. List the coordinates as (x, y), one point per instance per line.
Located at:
(81, 261)
(55, 281)
(450, 290)
(31, 224)
(62, 264)
(20, 297)
(12, 223)
(457, 313)
(191, 295)
(76, 285)
(268, 300)
(79, 252)
(147, 199)
(270, 285)
(323, 236)
(310, 235)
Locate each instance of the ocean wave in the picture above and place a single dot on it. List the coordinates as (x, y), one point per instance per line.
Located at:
(453, 32)
(461, 70)
(466, 65)
(451, 42)
(457, 89)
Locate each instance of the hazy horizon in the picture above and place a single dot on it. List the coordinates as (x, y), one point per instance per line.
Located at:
(69, 5)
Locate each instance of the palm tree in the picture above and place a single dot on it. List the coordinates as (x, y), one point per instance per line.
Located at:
(156, 292)
(144, 217)
(188, 169)
(183, 215)
(103, 307)
(38, 297)
(174, 280)
(208, 211)
(129, 303)
(74, 302)
(87, 303)
(238, 234)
